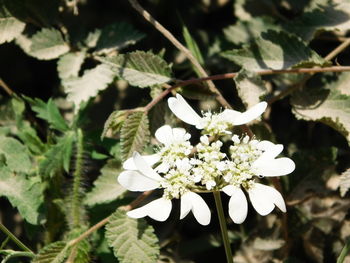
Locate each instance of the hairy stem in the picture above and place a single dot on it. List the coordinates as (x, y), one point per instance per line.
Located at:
(77, 179)
(223, 227)
(14, 238)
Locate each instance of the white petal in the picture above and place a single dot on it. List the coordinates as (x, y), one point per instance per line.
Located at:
(260, 201)
(272, 151)
(179, 135)
(183, 110)
(251, 114)
(194, 202)
(265, 145)
(158, 209)
(264, 198)
(238, 206)
(150, 159)
(274, 167)
(164, 134)
(228, 189)
(229, 115)
(135, 181)
(144, 168)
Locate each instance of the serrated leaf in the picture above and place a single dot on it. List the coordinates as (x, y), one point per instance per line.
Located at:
(53, 253)
(134, 133)
(15, 154)
(141, 69)
(46, 44)
(132, 240)
(114, 122)
(246, 31)
(117, 36)
(106, 187)
(324, 103)
(58, 157)
(25, 194)
(275, 50)
(69, 64)
(250, 87)
(330, 17)
(81, 89)
(49, 112)
(10, 27)
(344, 184)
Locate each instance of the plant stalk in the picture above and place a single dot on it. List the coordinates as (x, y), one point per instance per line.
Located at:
(345, 251)
(14, 238)
(223, 227)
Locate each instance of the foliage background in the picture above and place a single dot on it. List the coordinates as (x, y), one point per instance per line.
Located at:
(54, 155)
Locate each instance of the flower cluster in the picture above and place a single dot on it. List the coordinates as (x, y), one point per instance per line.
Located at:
(183, 171)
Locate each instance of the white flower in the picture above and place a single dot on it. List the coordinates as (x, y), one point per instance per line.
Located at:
(176, 146)
(145, 178)
(254, 158)
(213, 123)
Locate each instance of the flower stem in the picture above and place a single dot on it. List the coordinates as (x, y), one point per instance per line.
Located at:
(14, 238)
(223, 226)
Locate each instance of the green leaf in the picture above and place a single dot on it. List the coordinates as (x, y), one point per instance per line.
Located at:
(246, 31)
(250, 87)
(192, 45)
(117, 36)
(46, 44)
(81, 89)
(49, 112)
(141, 69)
(114, 122)
(53, 253)
(275, 50)
(134, 134)
(58, 157)
(15, 154)
(330, 17)
(106, 187)
(10, 27)
(132, 240)
(328, 103)
(69, 64)
(344, 182)
(25, 194)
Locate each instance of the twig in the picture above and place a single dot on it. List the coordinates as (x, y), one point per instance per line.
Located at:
(104, 221)
(169, 88)
(6, 88)
(338, 49)
(181, 47)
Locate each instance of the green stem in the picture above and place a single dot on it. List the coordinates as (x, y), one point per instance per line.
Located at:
(223, 226)
(344, 252)
(77, 175)
(14, 238)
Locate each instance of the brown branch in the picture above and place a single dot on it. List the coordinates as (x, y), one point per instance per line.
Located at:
(234, 74)
(104, 221)
(148, 17)
(6, 88)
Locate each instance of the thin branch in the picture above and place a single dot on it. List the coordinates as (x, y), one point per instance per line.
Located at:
(6, 88)
(104, 221)
(338, 49)
(230, 75)
(178, 45)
